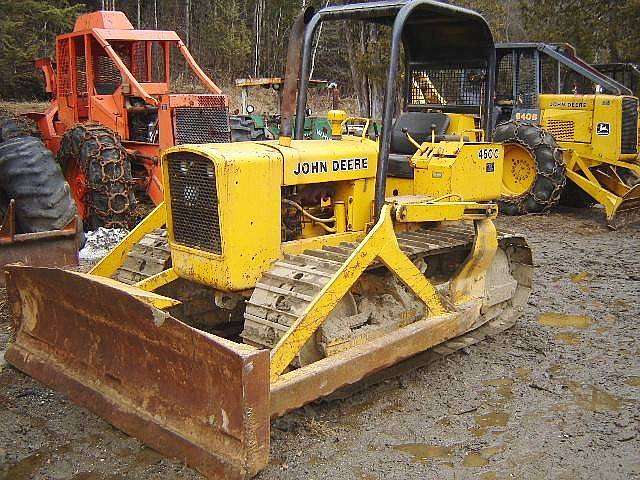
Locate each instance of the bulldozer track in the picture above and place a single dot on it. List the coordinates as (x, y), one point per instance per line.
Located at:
(148, 257)
(283, 293)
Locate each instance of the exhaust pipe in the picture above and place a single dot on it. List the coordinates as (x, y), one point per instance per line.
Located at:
(292, 74)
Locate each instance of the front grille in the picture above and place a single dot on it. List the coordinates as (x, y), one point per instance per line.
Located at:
(562, 130)
(194, 202)
(202, 125)
(629, 140)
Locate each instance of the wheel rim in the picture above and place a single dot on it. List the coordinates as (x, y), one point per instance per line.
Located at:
(519, 171)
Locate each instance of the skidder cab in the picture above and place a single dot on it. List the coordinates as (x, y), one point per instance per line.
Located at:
(297, 266)
(113, 96)
(570, 134)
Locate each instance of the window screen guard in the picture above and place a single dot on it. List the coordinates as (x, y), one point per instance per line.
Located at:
(446, 85)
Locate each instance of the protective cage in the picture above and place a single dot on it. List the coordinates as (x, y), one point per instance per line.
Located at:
(446, 85)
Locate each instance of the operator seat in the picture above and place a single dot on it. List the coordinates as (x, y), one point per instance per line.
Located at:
(419, 125)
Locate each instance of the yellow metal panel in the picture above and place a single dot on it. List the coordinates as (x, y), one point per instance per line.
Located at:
(461, 124)
(444, 210)
(568, 125)
(248, 178)
(399, 187)
(471, 170)
(358, 197)
(567, 102)
(316, 161)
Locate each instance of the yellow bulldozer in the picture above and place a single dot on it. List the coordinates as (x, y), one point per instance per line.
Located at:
(297, 267)
(570, 134)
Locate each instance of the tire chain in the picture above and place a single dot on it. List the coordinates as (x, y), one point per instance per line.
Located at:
(112, 181)
(559, 167)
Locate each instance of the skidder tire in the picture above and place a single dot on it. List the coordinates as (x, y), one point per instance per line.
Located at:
(244, 129)
(30, 175)
(109, 199)
(14, 127)
(573, 196)
(534, 172)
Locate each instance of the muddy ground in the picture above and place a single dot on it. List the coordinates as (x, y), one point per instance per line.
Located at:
(557, 396)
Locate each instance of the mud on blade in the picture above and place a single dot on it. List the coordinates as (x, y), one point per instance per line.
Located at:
(188, 394)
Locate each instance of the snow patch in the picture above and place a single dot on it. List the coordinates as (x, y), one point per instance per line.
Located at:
(99, 242)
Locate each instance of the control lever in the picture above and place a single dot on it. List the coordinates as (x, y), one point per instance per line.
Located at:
(413, 141)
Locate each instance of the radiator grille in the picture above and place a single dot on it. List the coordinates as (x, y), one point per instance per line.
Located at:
(562, 130)
(194, 202)
(202, 125)
(629, 137)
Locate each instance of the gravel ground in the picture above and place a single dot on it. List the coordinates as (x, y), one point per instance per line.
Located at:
(557, 396)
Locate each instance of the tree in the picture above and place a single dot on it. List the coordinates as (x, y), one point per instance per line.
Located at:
(27, 31)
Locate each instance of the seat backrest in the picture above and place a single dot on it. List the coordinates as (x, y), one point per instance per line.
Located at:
(419, 126)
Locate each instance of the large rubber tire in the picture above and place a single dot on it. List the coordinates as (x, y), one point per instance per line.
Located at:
(244, 129)
(550, 171)
(13, 127)
(30, 175)
(109, 201)
(573, 196)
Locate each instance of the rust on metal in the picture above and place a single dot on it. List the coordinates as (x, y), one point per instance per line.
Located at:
(188, 394)
(56, 248)
(325, 376)
(292, 72)
(628, 212)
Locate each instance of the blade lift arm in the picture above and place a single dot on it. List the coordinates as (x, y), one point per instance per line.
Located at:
(381, 243)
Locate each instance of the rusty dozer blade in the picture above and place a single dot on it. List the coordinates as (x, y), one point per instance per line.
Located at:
(627, 211)
(188, 394)
(54, 248)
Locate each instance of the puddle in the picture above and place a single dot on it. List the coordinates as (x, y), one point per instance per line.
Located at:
(564, 320)
(620, 303)
(493, 419)
(94, 476)
(474, 459)
(568, 338)
(502, 386)
(633, 381)
(362, 475)
(554, 369)
(593, 399)
(487, 421)
(489, 476)
(580, 277)
(481, 457)
(444, 422)
(353, 409)
(26, 468)
(523, 374)
(422, 452)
